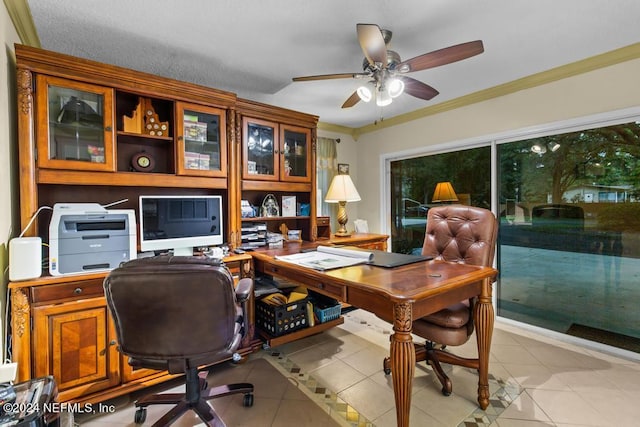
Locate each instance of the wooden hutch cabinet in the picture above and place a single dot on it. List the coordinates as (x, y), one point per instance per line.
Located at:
(278, 159)
(96, 133)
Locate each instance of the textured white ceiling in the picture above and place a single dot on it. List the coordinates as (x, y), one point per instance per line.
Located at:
(254, 48)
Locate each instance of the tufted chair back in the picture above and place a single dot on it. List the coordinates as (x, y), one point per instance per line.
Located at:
(463, 234)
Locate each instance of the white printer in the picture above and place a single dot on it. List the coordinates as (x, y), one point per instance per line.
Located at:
(87, 238)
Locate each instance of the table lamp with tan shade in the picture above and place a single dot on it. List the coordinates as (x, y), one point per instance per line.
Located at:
(444, 193)
(342, 191)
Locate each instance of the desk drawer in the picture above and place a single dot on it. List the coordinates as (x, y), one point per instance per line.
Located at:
(323, 220)
(335, 291)
(67, 291)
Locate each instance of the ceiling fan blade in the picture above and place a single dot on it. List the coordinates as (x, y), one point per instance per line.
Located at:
(331, 76)
(351, 101)
(372, 43)
(418, 89)
(441, 57)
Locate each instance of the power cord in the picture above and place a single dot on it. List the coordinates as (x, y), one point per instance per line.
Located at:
(33, 218)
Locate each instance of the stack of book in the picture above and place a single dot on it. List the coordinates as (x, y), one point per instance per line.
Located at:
(254, 234)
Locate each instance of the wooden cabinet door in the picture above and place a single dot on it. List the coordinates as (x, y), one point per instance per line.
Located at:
(129, 374)
(260, 150)
(201, 140)
(75, 342)
(74, 125)
(295, 153)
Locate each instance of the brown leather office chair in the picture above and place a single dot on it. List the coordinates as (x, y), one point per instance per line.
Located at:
(462, 234)
(179, 314)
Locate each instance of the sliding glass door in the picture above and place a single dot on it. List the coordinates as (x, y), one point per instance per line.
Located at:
(569, 241)
(569, 210)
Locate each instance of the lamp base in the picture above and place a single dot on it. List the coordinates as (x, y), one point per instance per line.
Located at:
(342, 220)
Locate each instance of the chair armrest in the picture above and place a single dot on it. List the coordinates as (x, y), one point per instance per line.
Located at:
(244, 289)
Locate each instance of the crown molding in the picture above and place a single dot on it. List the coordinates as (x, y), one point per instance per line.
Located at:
(20, 15)
(330, 127)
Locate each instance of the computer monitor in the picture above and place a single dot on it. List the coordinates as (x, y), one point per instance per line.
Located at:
(180, 223)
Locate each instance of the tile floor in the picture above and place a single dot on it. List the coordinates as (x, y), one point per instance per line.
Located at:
(335, 378)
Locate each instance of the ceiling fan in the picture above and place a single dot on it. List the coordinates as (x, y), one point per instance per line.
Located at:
(386, 70)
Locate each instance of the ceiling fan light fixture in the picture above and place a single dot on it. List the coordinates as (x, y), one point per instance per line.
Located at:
(538, 149)
(386, 71)
(364, 93)
(383, 98)
(395, 87)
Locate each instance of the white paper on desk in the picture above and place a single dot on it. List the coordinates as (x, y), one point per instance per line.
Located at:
(328, 258)
(345, 252)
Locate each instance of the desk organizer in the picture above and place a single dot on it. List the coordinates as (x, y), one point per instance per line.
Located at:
(282, 319)
(325, 308)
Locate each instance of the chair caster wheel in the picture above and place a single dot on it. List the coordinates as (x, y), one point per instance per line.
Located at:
(386, 366)
(140, 416)
(248, 400)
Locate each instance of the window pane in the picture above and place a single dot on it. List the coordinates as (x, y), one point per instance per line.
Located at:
(569, 247)
(413, 182)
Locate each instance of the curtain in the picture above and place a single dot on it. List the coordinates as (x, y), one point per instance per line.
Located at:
(326, 169)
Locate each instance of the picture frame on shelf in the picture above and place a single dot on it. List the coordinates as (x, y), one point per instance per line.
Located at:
(289, 206)
(270, 206)
(343, 168)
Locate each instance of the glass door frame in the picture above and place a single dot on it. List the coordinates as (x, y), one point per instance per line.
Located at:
(45, 159)
(284, 152)
(246, 121)
(181, 169)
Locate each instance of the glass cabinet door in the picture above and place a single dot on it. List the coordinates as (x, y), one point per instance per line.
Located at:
(75, 123)
(202, 140)
(260, 150)
(295, 146)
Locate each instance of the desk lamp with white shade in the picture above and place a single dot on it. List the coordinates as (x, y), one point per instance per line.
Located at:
(342, 191)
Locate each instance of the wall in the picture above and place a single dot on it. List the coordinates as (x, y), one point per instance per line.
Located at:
(8, 154)
(347, 153)
(603, 90)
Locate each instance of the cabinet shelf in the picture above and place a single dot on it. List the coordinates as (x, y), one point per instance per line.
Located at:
(144, 136)
(272, 218)
(195, 141)
(299, 334)
(271, 186)
(129, 179)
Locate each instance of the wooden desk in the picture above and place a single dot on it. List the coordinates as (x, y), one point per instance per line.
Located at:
(400, 295)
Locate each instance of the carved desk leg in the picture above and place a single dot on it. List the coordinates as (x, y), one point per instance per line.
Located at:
(403, 360)
(247, 270)
(484, 317)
